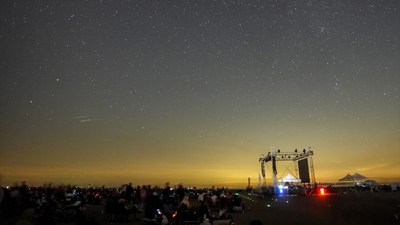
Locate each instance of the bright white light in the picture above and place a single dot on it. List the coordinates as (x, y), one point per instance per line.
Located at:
(280, 189)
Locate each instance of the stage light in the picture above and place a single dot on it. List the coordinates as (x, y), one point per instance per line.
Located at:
(280, 189)
(322, 191)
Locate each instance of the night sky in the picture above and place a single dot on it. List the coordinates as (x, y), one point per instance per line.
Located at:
(116, 91)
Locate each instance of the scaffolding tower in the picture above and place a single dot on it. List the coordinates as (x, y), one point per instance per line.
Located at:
(296, 156)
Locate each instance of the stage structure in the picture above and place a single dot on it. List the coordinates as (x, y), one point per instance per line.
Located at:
(302, 160)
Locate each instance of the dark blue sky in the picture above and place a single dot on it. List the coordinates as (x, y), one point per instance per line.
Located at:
(194, 78)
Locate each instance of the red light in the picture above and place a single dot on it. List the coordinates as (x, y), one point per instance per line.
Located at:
(322, 191)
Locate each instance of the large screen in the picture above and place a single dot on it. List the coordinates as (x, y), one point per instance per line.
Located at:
(303, 171)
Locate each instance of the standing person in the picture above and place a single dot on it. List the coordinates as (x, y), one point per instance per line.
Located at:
(143, 196)
(166, 193)
(129, 191)
(151, 204)
(203, 212)
(137, 195)
(185, 203)
(200, 198)
(1, 197)
(1, 194)
(181, 192)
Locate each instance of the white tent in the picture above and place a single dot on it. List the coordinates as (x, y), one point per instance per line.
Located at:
(359, 177)
(289, 178)
(347, 178)
(353, 178)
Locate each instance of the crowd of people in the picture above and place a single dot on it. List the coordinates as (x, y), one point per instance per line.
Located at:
(154, 205)
(173, 204)
(50, 204)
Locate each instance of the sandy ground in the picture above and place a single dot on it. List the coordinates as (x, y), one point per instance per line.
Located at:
(354, 208)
